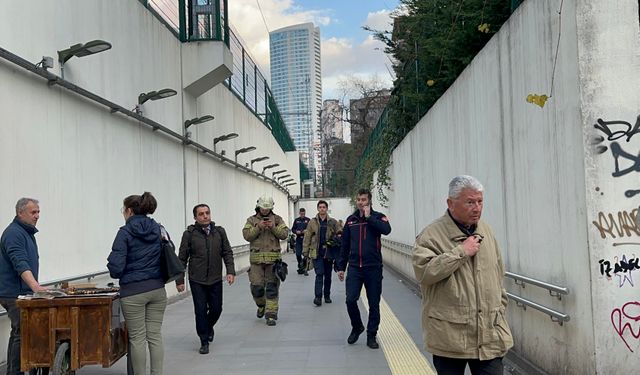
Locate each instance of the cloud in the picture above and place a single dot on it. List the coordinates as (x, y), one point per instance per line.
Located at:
(249, 23)
(341, 57)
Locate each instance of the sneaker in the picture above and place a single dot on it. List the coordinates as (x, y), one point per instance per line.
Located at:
(211, 333)
(260, 312)
(372, 343)
(317, 301)
(271, 322)
(327, 300)
(204, 349)
(355, 333)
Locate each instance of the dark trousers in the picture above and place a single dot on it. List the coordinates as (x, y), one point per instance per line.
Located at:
(299, 252)
(13, 351)
(323, 276)
(456, 366)
(207, 305)
(371, 278)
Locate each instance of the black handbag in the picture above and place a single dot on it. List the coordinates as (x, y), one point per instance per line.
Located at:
(170, 265)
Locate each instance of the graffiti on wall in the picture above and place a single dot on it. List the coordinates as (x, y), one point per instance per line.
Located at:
(622, 224)
(621, 267)
(626, 322)
(625, 161)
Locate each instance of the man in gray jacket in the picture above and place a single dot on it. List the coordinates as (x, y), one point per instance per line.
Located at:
(204, 247)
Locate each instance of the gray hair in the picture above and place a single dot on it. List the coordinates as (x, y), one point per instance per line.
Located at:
(462, 182)
(22, 203)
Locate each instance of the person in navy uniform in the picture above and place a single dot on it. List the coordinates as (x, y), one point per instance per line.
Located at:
(298, 228)
(361, 251)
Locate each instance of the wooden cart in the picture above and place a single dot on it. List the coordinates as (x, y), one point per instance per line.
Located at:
(67, 333)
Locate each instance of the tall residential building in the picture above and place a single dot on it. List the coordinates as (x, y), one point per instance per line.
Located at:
(296, 83)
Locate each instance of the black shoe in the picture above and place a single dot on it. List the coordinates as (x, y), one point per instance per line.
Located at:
(211, 333)
(300, 271)
(372, 343)
(317, 301)
(260, 312)
(355, 333)
(271, 322)
(204, 349)
(306, 273)
(327, 300)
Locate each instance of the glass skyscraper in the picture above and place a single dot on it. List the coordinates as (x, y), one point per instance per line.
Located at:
(296, 83)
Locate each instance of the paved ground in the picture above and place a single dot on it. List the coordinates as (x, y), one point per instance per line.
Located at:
(307, 340)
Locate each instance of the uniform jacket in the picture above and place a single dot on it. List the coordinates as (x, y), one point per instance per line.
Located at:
(361, 240)
(264, 243)
(135, 254)
(18, 253)
(463, 301)
(312, 233)
(300, 223)
(205, 254)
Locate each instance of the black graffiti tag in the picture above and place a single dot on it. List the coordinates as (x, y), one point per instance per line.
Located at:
(612, 135)
(618, 152)
(620, 266)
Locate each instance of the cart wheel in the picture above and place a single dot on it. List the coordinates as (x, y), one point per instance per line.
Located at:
(62, 361)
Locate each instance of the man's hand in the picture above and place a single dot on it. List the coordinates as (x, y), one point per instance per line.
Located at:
(180, 288)
(231, 279)
(366, 211)
(471, 245)
(39, 288)
(262, 224)
(341, 275)
(269, 224)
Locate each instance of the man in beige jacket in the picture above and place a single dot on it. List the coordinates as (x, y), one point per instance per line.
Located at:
(458, 264)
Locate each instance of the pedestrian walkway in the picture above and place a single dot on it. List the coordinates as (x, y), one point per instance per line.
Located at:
(308, 340)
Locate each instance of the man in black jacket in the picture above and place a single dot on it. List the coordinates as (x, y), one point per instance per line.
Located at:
(205, 247)
(361, 250)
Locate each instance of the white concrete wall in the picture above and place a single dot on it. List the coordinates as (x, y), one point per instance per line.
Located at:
(531, 160)
(609, 70)
(80, 161)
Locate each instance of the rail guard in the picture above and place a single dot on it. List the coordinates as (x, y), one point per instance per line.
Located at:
(554, 290)
(237, 250)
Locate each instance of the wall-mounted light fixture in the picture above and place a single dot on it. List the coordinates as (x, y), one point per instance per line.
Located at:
(198, 120)
(282, 177)
(258, 159)
(223, 138)
(270, 166)
(244, 150)
(155, 95)
(286, 181)
(81, 50)
(273, 175)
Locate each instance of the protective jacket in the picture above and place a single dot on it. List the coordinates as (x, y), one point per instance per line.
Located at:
(264, 244)
(312, 233)
(19, 253)
(205, 254)
(463, 301)
(361, 245)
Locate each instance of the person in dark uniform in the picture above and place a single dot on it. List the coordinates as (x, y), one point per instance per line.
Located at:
(361, 251)
(298, 228)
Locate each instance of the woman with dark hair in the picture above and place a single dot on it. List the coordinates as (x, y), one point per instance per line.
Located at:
(135, 260)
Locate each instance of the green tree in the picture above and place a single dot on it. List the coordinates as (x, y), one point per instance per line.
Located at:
(432, 41)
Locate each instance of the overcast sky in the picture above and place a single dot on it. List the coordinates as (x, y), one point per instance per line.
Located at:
(347, 49)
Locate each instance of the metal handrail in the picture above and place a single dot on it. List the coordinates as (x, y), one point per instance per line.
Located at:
(53, 79)
(87, 276)
(556, 316)
(554, 290)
